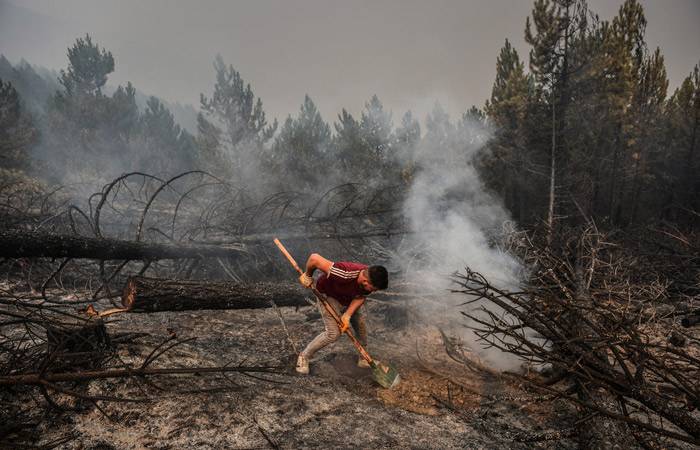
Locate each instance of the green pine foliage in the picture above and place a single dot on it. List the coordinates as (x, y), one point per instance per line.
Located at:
(590, 126)
(400, 164)
(89, 136)
(17, 132)
(165, 140)
(88, 68)
(678, 173)
(347, 144)
(504, 166)
(363, 150)
(299, 157)
(376, 130)
(232, 127)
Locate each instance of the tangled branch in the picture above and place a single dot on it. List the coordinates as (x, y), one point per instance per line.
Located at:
(583, 313)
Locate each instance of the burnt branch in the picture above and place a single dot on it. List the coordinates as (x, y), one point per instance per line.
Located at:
(584, 312)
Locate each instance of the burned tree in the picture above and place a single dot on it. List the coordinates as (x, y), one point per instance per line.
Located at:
(583, 314)
(178, 239)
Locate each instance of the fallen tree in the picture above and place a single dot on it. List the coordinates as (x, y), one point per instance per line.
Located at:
(143, 294)
(31, 244)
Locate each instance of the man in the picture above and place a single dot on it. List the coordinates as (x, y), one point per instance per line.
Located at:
(345, 285)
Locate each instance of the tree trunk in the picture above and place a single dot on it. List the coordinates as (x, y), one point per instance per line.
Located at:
(28, 244)
(612, 199)
(690, 182)
(143, 294)
(552, 184)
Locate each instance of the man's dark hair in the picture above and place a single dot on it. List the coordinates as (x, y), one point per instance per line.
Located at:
(379, 277)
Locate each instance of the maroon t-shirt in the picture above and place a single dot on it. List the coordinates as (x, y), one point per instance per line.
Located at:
(341, 282)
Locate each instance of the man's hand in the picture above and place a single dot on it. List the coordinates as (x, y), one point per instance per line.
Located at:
(306, 280)
(344, 323)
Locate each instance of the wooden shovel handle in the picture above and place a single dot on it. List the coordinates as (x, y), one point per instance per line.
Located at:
(289, 257)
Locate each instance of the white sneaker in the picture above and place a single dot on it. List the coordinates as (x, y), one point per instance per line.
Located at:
(362, 362)
(302, 364)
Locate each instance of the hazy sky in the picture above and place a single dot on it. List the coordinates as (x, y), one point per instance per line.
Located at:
(409, 53)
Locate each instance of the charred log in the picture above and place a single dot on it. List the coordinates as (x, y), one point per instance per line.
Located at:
(143, 294)
(27, 244)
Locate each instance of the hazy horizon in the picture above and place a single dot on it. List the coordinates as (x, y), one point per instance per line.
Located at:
(409, 53)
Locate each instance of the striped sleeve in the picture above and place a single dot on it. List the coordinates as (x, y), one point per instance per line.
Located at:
(338, 271)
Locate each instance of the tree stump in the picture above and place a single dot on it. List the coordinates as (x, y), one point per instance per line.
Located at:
(81, 344)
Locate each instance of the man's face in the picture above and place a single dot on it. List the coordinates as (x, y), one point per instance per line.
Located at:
(366, 285)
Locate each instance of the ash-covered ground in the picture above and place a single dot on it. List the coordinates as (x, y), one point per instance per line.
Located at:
(439, 404)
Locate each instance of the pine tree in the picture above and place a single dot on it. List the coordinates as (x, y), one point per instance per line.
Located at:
(33, 87)
(235, 123)
(86, 142)
(557, 25)
(441, 147)
(362, 149)
(170, 147)
(681, 171)
(407, 139)
(648, 103)
(91, 135)
(121, 119)
(627, 43)
(210, 152)
(17, 132)
(502, 164)
(509, 93)
(80, 102)
(439, 131)
(629, 154)
(87, 69)
(347, 145)
(408, 134)
(299, 151)
(603, 90)
(377, 135)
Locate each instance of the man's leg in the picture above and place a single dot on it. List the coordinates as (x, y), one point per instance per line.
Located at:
(359, 324)
(329, 335)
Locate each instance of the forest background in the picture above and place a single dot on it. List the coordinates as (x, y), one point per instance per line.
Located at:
(582, 128)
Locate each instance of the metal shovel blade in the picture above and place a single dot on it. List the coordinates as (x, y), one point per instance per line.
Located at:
(384, 374)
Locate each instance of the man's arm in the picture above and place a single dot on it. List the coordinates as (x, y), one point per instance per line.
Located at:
(317, 261)
(314, 262)
(354, 305)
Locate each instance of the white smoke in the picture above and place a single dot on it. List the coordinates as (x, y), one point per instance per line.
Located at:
(454, 221)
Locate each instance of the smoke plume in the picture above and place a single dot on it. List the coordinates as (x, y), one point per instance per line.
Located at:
(455, 225)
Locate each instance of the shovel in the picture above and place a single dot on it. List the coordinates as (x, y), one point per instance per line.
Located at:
(384, 374)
